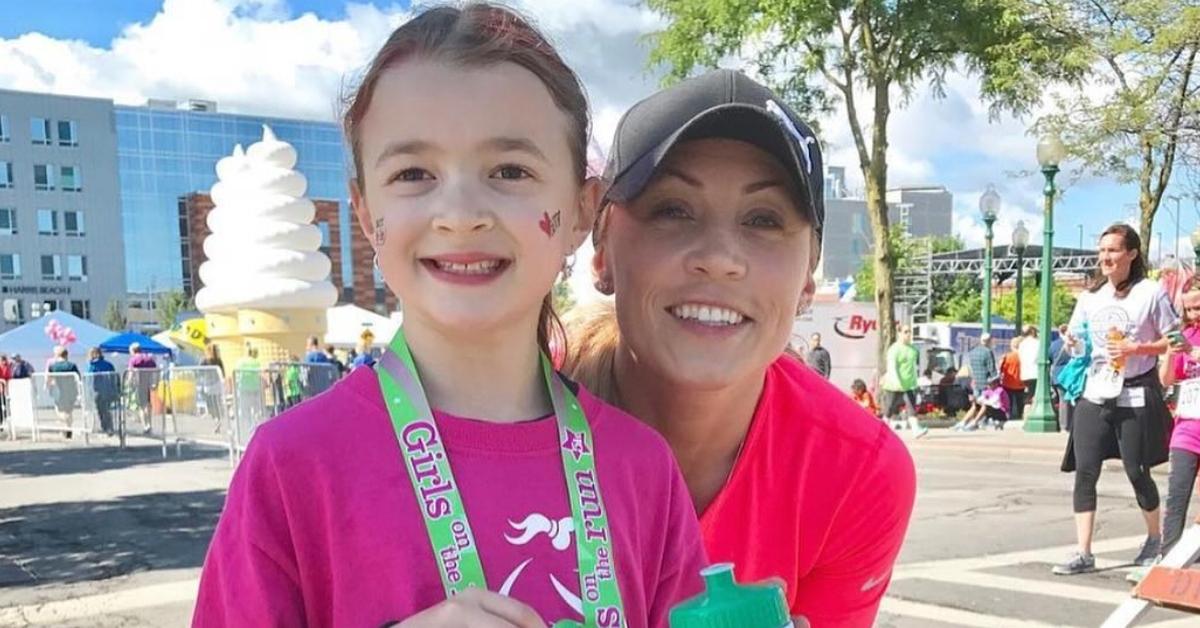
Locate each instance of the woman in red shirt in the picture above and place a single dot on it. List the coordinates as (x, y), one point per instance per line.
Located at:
(708, 233)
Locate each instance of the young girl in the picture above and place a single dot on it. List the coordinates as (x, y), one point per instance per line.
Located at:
(860, 394)
(460, 482)
(1183, 365)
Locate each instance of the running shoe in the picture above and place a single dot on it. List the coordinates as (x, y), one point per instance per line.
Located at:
(1079, 563)
(1148, 555)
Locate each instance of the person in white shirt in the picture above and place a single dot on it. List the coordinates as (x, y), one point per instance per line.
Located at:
(1121, 413)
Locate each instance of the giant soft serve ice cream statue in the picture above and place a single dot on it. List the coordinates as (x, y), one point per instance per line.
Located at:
(266, 283)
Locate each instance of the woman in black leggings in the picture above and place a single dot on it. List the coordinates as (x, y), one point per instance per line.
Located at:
(1121, 413)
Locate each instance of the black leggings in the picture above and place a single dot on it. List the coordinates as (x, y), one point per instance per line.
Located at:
(1179, 493)
(1092, 426)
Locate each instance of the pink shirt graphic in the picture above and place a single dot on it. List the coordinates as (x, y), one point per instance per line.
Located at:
(321, 527)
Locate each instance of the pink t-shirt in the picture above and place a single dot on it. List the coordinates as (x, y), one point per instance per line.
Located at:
(820, 496)
(321, 526)
(1186, 434)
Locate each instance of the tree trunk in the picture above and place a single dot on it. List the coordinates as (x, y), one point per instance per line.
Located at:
(1147, 201)
(875, 177)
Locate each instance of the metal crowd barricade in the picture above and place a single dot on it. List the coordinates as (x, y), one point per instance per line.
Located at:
(56, 405)
(145, 405)
(196, 408)
(101, 403)
(252, 404)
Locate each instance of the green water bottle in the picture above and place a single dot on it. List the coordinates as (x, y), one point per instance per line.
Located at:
(727, 604)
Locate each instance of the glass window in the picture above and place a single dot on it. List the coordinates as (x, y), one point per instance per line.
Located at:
(4, 132)
(81, 308)
(43, 177)
(8, 221)
(10, 266)
(69, 179)
(323, 226)
(39, 129)
(13, 311)
(73, 223)
(45, 306)
(66, 133)
(77, 268)
(47, 222)
(51, 268)
(6, 180)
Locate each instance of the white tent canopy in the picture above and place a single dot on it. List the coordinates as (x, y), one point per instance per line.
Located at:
(345, 323)
(32, 343)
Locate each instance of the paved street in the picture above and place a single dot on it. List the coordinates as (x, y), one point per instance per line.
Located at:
(101, 537)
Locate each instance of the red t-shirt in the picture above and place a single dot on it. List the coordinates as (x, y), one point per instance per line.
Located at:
(820, 495)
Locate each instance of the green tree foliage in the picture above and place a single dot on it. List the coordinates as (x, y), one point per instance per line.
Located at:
(872, 54)
(564, 297)
(1062, 304)
(114, 316)
(1141, 117)
(169, 305)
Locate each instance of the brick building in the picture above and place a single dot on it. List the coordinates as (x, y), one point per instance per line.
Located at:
(365, 290)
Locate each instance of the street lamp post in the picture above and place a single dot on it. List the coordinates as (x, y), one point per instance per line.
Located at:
(1020, 240)
(1042, 418)
(1196, 247)
(989, 205)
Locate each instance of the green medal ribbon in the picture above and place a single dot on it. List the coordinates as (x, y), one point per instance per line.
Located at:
(428, 466)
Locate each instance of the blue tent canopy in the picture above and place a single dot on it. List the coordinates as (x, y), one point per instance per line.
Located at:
(120, 343)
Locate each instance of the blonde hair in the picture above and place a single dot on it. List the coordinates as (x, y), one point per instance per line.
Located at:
(592, 340)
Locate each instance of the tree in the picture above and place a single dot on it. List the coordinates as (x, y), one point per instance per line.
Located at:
(114, 316)
(878, 49)
(952, 295)
(1147, 107)
(564, 297)
(169, 305)
(1063, 303)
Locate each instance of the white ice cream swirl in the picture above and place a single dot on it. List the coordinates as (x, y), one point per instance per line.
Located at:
(264, 251)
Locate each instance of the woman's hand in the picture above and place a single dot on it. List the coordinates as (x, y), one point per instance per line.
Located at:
(476, 608)
(1123, 349)
(797, 621)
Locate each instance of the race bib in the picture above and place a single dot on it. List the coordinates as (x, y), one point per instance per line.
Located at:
(1103, 382)
(1189, 400)
(1132, 397)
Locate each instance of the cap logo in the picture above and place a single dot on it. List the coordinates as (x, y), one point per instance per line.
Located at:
(774, 109)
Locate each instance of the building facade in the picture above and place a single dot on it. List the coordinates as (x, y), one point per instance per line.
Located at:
(168, 150)
(60, 208)
(363, 290)
(847, 239)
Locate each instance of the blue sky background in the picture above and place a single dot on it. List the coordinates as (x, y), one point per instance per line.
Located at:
(264, 48)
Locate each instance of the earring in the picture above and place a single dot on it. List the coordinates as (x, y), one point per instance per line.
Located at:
(568, 266)
(603, 286)
(375, 262)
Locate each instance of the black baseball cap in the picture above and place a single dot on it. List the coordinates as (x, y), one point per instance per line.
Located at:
(717, 104)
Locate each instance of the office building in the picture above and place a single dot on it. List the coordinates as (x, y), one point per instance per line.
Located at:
(168, 150)
(60, 208)
(847, 239)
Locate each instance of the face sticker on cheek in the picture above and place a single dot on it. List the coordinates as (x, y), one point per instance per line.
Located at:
(550, 224)
(380, 232)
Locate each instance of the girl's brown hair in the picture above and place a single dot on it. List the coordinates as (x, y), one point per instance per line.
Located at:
(479, 35)
(1137, 269)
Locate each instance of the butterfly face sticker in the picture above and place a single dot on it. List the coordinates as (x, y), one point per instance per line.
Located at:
(550, 224)
(380, 232)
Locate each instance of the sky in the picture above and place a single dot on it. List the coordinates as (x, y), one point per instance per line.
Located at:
(293, 58)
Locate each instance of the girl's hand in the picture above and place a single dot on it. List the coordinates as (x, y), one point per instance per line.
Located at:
(476, 608)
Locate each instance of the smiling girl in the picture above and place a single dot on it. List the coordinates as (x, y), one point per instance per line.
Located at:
(460, 482)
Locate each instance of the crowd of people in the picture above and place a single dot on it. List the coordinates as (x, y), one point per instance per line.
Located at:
(134, 388)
